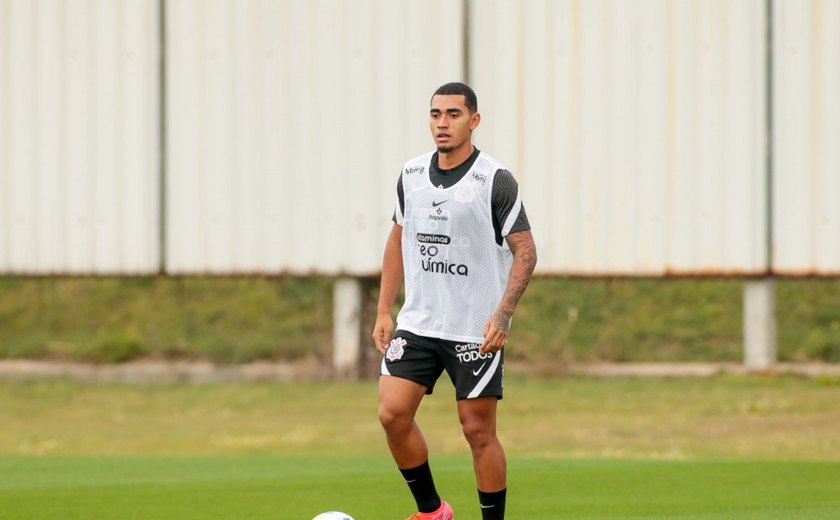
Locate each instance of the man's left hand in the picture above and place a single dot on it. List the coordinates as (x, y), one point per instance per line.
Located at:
(496, 332)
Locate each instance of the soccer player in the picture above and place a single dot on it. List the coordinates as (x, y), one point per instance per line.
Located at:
(462, 243)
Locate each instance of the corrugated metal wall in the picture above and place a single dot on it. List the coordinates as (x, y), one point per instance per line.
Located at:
(79, 131)
(806, 152)
(636, 129)
(288, 123)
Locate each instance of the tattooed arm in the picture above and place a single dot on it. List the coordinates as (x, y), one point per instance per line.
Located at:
(524, 260)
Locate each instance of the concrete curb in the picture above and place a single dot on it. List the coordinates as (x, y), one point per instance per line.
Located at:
(703, 370)
(158, 372)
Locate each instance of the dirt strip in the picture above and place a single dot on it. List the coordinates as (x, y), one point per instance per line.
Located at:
(158, 372)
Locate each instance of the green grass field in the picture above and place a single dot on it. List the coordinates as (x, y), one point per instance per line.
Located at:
(722, 448)
(289, 487)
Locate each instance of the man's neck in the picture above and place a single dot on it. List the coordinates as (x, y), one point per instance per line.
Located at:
(449, 160)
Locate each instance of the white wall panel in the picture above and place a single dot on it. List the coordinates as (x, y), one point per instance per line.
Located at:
(806, 137)
(288, 122)
(79, 136)
(636, 129)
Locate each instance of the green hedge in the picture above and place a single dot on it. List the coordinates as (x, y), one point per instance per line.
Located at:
(235, 320)
(225, 320)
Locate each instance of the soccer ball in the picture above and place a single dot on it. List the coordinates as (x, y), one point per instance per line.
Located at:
(333, 515)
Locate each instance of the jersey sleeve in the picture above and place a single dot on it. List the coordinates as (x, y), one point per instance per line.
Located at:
(508, 211)
(399, 209)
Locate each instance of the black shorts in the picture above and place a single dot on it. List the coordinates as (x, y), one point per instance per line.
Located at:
(423, 360)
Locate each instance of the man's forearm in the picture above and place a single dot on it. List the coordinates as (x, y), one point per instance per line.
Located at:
(524, 262)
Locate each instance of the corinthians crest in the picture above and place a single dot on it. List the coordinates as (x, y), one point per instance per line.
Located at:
(395, 350)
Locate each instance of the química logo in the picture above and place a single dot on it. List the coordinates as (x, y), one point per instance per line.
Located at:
(444, 268)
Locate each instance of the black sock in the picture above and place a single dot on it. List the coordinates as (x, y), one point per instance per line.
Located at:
(422, 486)
(492, 504)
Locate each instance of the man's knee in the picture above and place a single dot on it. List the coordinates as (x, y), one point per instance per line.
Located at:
(393, 419)
(398, 402)
(478, 432)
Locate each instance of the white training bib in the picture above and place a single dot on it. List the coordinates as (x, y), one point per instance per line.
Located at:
(455, 272)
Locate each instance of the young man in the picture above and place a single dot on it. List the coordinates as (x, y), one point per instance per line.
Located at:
(462, 242)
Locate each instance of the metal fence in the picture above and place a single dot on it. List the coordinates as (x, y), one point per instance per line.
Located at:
(655, 137)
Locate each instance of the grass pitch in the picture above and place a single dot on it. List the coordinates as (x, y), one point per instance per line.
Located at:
(717, 449)
(288, 487)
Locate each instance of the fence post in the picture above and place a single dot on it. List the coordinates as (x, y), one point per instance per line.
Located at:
(760, 324)
(347, 322)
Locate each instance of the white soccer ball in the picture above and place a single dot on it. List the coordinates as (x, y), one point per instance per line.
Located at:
(333, 515)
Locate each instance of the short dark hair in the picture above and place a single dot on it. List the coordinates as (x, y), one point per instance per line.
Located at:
(457, 88)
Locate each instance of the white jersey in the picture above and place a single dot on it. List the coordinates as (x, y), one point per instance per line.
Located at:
(455, 271)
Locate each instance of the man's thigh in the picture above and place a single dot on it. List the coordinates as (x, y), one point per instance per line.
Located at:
(474, 374)
(414, 358)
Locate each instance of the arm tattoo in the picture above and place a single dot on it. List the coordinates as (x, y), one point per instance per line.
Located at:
(501, 320)
(524, 262)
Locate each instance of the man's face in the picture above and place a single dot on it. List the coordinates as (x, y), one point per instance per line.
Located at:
(451, 122)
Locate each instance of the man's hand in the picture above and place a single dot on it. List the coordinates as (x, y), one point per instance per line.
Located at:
(382, 331)
(496, 332)
(524, 260)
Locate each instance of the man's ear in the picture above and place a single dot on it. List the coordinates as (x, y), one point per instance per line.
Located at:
(475, 120)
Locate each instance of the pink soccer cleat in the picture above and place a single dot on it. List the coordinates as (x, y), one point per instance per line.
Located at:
(444, 512)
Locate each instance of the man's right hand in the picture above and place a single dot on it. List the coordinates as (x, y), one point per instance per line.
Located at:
(382, 331)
